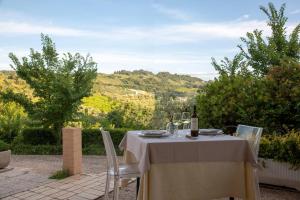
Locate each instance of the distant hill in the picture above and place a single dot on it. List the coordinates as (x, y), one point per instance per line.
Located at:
(121, 81)
(138, 87)
(131, 95)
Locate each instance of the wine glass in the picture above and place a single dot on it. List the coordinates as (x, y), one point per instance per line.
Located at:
(177, 121)
(186, 120)
(158, 120)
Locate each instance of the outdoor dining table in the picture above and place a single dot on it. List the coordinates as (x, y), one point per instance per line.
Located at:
(180, 168)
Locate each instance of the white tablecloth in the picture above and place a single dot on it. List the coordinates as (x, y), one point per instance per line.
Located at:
(180, 168)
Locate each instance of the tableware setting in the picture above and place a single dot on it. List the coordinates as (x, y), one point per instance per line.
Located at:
(212, 132)
(154, 133)
(191, 137)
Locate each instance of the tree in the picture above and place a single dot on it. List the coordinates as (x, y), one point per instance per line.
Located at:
(263, 53)
(282, 96)
(59, 84)
(227, 67)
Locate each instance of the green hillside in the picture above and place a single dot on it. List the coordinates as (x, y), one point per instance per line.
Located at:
(131, 96)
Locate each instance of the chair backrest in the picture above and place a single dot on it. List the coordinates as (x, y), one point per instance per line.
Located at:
(252, 134)
(112, 159)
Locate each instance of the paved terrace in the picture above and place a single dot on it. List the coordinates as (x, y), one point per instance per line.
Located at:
(29, 181)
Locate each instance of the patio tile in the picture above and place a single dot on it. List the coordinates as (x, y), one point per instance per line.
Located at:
(87, 195)
(78, 187)
(10, 198)
(49, 191)
(35, 197)
(66, 196)
(27, 195)
(77, 198)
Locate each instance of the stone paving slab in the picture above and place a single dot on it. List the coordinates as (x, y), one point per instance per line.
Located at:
(78, 187)
(20, 179)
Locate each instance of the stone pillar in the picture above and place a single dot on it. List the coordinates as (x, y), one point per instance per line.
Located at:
(72, 150)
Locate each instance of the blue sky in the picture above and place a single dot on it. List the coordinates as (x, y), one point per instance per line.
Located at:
(167, 35)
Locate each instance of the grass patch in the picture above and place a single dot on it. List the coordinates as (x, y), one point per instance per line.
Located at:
(61, 174)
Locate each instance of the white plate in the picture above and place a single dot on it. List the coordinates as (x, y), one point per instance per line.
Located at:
(154, 135)
(153, 132)
(210, 131)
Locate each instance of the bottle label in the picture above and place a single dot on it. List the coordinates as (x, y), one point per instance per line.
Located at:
(194, 124)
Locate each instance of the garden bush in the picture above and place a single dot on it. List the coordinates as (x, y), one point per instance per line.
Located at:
(282, 148)
(93, 136)
(3, 146)
(40, 141)
(39, 136)
(26, 149)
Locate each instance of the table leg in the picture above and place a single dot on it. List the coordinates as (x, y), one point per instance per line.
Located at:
(137, 186)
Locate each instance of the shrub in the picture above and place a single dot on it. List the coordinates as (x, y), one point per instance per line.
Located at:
(25, 149)
(3, 146)
(39, 136)
(283, 148)
(94, 149)
(93, 136)
(40, 141)
(12, 119)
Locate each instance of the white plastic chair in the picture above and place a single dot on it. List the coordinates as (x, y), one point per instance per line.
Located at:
(252, 134)
(114, 169)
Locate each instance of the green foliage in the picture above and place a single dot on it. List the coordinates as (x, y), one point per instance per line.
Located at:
(94, 149)
(91, 141)
(270, 96)
(61, 174)
(94, 137)
(39, 136)
(282, 97)
(130, 115)
(139, 81)
(98, 103)
(3, 146)
(166, 105)
(230, 101)
(283, 148)
(116, 100)
(12, 118)
(263, 53)
(59, 84)
(233, 67)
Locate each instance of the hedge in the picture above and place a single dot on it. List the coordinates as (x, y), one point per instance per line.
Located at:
(38, 136)
(93, 136)
(32, 141)
(282, 148)
(26, 149)
(41, 136)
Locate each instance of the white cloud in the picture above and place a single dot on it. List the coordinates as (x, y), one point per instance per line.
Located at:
(243, 17)
(294, 12)
(171, 12)
(108, 62)
(188, 32)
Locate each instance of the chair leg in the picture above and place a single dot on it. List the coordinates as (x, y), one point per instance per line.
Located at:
(116, 188)
(106, 197)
